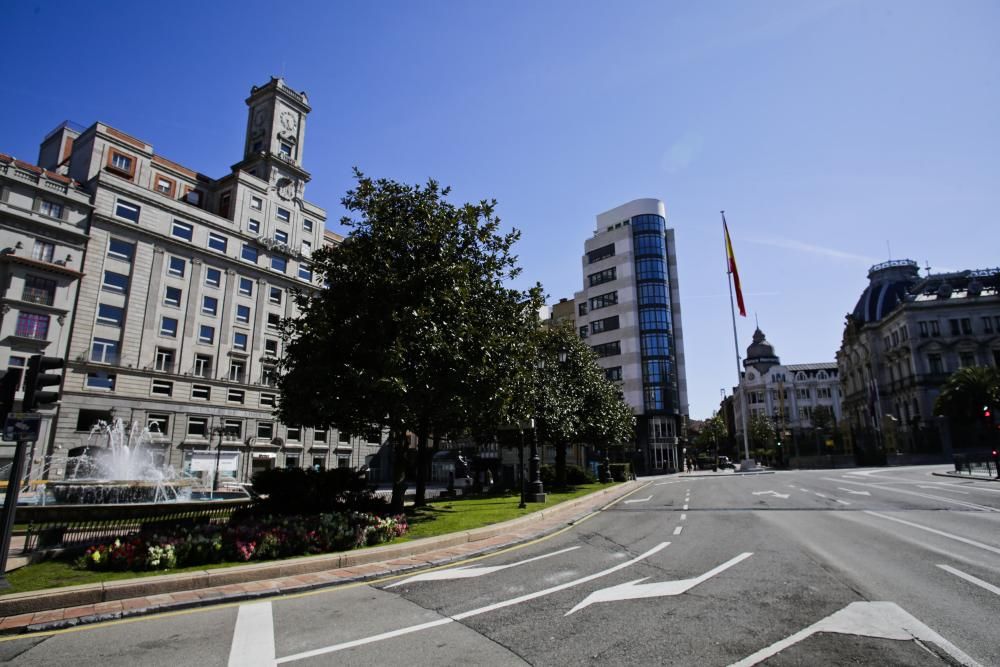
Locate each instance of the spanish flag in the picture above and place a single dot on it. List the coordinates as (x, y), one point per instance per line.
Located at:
(732, 267)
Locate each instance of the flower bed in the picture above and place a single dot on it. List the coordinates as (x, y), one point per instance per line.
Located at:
(251, 539)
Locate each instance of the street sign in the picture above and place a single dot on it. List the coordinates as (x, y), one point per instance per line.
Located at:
(21, 427)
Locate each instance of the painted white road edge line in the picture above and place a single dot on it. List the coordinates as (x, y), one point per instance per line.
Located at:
(985, 585)
(253, 637)
(473, 612)
(678, 529)
(468, 572)
(957, 538)
(882, 620)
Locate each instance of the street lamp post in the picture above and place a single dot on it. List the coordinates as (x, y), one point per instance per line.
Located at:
(222, 432)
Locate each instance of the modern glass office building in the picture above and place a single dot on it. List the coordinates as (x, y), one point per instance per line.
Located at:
(629, 312)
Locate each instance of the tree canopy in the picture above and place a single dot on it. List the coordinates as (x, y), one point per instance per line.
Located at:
(967, 391)
(416, 330)
(574, 400)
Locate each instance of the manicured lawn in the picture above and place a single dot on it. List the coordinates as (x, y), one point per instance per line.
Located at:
(437, 518)
(457, 514)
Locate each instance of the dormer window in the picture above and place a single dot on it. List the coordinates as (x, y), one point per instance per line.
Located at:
(121, 163)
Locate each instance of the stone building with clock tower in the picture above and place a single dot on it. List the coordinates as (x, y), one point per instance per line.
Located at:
(183, 285)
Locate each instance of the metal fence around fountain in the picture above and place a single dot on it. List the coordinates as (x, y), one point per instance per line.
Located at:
(68, 526)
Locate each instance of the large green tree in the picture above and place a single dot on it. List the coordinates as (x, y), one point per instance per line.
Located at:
(574, 400)
(962, 399)
(416, 331)
(712, 435)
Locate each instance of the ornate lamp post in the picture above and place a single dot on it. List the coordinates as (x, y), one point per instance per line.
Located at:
(536, 491)
(224, 433)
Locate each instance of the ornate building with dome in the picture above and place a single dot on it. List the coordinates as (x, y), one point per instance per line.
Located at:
(903, 339)
(801, 400)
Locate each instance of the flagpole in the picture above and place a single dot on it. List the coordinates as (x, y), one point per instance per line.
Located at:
(736, 345)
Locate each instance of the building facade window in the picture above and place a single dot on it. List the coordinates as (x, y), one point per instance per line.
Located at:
(201, 392)
(165, 360)
(182, 230)
(275, 295)
(217, 242)
(104, 351)
(236, 396)
(197, 427)
(203, 365)
(164, 185)
(253, 226)
(206, 334)
(601, 253)
(269, 400)
(240, 341)
(50, 208)
(213, 277)
(603, 300)
(115, 282)
(249, 253)
(283, 214)
(127, 210)
(246, 287)
(305, 273)
(237, 370)
(43, 251)
(119, 249)
(162, 388)
(172, 296)
(39, 290)
(614, 374)
(101, 380)
(168, 327)
(605, 276)
(608, 349)
(243, 314)
(210, 306)
(256, 203)
(606, 324)
(111, 315)
(176, 267)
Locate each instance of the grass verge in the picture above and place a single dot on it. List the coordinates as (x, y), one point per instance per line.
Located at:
(438, 518)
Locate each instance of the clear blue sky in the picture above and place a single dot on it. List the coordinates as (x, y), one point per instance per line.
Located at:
(824, 129)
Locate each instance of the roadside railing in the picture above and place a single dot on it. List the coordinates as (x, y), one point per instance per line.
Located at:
(977, 465)
(63, 526)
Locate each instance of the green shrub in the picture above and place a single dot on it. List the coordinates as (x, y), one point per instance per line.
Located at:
(293, 491)
(621, 472)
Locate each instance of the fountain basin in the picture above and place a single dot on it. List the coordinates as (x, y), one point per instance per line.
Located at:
(117, 492)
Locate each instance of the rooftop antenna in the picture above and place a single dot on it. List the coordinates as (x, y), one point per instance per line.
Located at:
(888, 249)
(755, 322)
(927, 268)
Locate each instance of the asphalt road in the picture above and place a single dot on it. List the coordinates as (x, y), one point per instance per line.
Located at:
(879, 566)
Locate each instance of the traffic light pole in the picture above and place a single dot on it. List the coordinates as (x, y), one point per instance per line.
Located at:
(9, 507)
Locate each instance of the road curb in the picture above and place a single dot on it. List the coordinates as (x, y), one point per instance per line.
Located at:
(955, 475)
(32, 602)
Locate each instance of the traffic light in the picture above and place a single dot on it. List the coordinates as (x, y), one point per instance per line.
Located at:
(8, 388)
(37, 378)
(986, 411)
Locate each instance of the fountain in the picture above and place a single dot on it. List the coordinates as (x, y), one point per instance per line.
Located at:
(118, 466)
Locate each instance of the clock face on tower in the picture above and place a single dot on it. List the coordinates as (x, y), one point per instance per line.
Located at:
(288, 121)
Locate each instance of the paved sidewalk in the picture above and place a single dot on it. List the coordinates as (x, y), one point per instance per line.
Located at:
(93, 603)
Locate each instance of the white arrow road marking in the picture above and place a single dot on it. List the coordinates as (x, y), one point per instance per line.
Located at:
(935, 488)
(470, 572)
(804, 489)
(771, 493)
(253, 637)
(972, 580)
(639, 500)
(882, 620)
(842, 502)
(633, 590)
(821, 495)
(857, 493)
(474, 612)
(957, 538)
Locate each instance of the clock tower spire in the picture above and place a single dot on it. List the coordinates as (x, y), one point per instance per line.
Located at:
(275, 137)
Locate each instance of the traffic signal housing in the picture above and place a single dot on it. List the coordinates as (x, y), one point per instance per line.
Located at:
(9, 383)
(37, 379)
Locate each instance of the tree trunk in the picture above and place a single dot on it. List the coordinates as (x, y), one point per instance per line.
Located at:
(560, 465)
(422, 460)
(399, 447)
